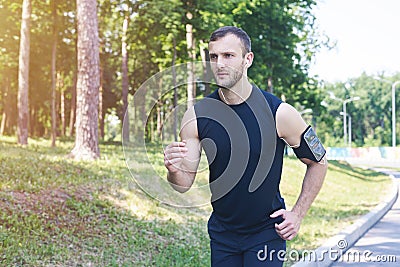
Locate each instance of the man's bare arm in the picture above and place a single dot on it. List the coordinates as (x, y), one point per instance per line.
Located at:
(182, 158)
(290, 127)
(312, 183)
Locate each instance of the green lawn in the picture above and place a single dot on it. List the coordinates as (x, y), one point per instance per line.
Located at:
(58, 212)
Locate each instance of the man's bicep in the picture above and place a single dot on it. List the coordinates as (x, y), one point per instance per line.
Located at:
(192, 159)
(300, 136)
(190, 136)
(289, 124)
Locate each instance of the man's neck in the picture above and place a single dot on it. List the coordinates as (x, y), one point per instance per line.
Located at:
(239, 93)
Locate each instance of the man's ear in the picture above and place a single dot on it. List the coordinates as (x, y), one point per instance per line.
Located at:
(249, 59)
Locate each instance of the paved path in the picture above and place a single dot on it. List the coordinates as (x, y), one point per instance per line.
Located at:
(380, 245)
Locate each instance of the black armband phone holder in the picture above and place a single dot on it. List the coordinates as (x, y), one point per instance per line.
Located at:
(310, 146)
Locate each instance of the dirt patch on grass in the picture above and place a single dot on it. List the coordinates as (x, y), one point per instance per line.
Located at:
(53, 208)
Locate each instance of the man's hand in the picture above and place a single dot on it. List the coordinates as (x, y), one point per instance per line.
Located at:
(290, 226)
(173, 156)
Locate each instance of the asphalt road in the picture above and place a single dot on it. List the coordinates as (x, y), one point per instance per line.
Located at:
(380, 245)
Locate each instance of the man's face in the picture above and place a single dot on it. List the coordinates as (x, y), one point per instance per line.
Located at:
(227, 61)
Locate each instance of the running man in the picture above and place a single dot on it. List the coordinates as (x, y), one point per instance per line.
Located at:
(243, 131)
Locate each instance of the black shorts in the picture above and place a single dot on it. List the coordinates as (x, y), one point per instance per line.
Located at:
(231, 249)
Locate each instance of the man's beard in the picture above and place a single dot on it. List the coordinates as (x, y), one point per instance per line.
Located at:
(233, 77)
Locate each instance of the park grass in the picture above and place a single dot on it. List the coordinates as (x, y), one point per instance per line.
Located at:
(58, 212)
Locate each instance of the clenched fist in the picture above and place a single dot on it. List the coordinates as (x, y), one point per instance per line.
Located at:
(174, 154)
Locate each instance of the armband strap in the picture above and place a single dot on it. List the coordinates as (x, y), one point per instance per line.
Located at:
(310, 146)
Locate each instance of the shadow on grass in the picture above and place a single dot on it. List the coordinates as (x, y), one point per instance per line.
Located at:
(355, 172)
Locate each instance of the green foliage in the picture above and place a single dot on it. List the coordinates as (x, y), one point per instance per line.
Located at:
(371, 115)
(284, 44)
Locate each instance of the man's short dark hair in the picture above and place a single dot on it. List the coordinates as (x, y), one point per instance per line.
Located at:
(238, 32)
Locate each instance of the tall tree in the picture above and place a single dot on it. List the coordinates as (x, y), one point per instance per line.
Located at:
(86, 138)
(125, 79)
(60, 84)
(23, 75)
(54, 76)
(191, 48)
(5, 97)
(72, 114)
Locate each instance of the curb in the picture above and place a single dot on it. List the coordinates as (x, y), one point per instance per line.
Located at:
(337, 245)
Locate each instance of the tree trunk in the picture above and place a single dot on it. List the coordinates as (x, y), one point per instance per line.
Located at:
(4, 117)
(62, 111)
(191, 88)
(101, 110)
(160, 103)
(23, 74)
(33, 120)
(207, 73)
(270, 85)
(125, 82)
(175, 93)
(3, 122)
(54, 77)
(86, 137)
(72, 114)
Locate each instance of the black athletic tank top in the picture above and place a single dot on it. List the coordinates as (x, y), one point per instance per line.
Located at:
(245, 157)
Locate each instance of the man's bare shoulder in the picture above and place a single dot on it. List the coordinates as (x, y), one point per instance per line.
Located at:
(289, 124)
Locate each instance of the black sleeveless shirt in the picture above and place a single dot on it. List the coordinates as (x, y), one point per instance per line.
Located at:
(245, 157)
